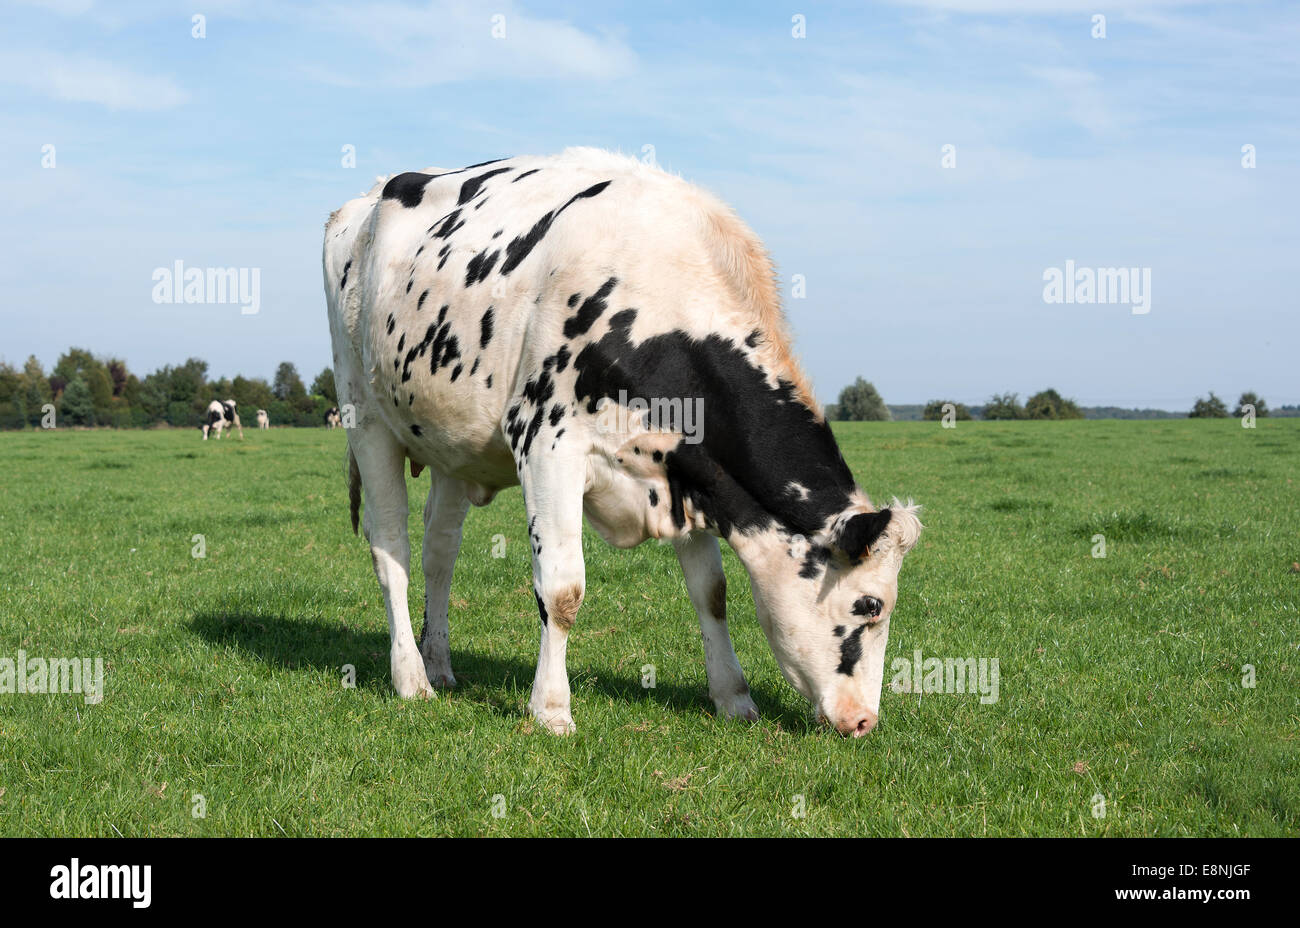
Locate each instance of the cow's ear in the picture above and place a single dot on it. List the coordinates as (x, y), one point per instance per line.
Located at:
(860, 533)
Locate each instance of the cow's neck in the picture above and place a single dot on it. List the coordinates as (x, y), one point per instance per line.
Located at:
(756, 457)
(772, 464)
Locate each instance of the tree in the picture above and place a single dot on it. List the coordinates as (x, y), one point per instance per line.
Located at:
(36, 390)
(1249, 398)
(287, 384)
(861, 402)
(323, 385)
(1004, 406)
(1048, 404)
(78, 403)
(1211, 408)
(933, 411)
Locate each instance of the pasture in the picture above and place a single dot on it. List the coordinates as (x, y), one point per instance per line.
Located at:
(1120, 676)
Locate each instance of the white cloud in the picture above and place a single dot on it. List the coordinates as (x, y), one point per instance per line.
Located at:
(441, 43)
(88, 80)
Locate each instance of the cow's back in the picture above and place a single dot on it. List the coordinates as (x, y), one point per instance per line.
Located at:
(455, 289)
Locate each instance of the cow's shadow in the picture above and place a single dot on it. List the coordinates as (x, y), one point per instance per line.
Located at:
(491, 680)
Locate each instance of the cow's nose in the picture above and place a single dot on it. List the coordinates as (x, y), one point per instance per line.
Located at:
(865, 721)
(865, 724)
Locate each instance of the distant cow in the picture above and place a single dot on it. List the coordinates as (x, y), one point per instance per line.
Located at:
(559, 322)
(332, 419)
(263, 420)
(221, 415)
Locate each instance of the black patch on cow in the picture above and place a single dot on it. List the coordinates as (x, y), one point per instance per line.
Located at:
(541, 607)
(520, 246)
(525, 174)
(415, 430)
(419, 304)
(471, 187)
(850, 652)
(447, 226)
(456, 372)
(489, 382)
(752, 339)
(470, 167)
(654, 497)
(839, 631)
(562, 358)
(814, 561)
(755, 440)
(573, 299)
(591, 309)
(657, 456)
(408, 188)
(344, 282)
(497, 233)
(442, 347)
(480, 266)
(474, 370)
(557, 413)
(401, 342)
(229, 411)
(861, 531)
(485, 328)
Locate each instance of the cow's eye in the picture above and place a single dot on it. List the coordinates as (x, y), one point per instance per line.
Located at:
(868, 606)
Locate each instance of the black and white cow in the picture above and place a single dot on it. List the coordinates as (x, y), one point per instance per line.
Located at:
(221, 415)
(332, 419)
(520, 322)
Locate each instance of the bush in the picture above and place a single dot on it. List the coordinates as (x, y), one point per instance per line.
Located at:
(1250, 399)
(933, 411)
(1051, 405)
(861, 402)
(1004, 406)
(1210, 408)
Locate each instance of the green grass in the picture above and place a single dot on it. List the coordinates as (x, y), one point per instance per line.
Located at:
(1120, 676)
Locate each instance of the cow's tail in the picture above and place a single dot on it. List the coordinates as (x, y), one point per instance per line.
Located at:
(354, 489)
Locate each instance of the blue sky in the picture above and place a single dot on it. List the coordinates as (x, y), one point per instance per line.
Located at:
(1123, 151)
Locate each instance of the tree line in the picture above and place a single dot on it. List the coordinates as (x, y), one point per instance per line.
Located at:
(89, 391)
(860, 401)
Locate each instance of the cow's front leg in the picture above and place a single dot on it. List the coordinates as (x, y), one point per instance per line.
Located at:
(381, 460)
(553, 487)
(444, 514)
(702, 566)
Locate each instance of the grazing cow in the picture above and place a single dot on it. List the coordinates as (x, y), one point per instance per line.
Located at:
(263, 420)
(332, 420)
(221, 415)
(552, 322)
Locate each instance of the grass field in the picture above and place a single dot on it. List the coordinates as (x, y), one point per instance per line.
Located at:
(1120, 676)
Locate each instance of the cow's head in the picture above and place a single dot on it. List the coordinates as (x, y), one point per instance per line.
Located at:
(825, 603)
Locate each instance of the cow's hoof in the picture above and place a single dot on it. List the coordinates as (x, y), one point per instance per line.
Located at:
(738, 707)
(440, 679)
(412, 685)
(556, 722)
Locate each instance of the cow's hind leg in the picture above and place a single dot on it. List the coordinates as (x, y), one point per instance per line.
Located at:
(702, 565)
(444, 514)
(380, 460)
(553, 486)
